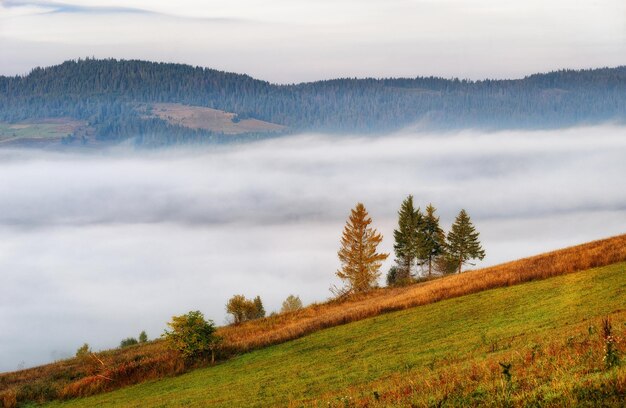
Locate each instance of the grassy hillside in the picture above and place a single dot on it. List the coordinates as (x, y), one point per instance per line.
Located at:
(40, 131)
(447, 352)
(199, 117)
(260, 333)
(112, 369)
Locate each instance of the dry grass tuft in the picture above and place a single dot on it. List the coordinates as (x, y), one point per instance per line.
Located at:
(8, 399)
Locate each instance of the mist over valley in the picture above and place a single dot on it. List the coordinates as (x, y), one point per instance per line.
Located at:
(96, 246)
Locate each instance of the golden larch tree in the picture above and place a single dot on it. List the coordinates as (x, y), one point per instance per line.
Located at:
(360, 263)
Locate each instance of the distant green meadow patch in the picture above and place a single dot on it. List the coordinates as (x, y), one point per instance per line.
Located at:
(55, 129)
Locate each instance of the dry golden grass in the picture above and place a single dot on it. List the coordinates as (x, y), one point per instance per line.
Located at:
(261, 333)
(89, 374)
(200, 117)
(117, 368)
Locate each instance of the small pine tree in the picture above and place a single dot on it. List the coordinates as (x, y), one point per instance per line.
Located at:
(392, 276)
(143, 337)
(432, 242)
(83, 350)
(463, 243)
(259, 310)
(406, 239)
(360, 263)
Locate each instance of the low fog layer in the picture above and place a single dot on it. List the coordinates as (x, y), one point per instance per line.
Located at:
(97, 247)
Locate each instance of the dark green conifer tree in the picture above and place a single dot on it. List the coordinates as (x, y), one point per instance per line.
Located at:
(463, 243)
(432, 239)
(392, 275)
(259, 309)
(406, 239)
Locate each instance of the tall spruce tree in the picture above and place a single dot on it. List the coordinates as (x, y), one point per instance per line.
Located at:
(360, 263)
(406, 239)
(463, 243)
(432, 239)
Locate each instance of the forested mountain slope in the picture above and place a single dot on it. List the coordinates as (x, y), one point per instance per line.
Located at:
(106, 93)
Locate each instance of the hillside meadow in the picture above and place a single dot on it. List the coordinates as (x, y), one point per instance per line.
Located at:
(442, 354)
(200, 117)
(113, 369)
(39, 132)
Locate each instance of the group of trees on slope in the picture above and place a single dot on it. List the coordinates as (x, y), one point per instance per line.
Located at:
(419, 242)
(242, 309)
(194, 337)
(107, 92)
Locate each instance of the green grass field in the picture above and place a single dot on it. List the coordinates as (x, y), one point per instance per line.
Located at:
(38, 131)
(55, 129)
(447, 353)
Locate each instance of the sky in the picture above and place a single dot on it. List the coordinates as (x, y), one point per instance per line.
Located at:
(97, 247)
(286, 41)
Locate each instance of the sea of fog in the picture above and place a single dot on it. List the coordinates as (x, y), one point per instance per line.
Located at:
(95, 247)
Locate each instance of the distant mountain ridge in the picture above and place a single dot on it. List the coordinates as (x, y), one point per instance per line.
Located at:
(106, 93)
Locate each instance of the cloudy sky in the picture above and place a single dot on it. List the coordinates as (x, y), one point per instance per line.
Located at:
(97, 247)
(299, 40)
